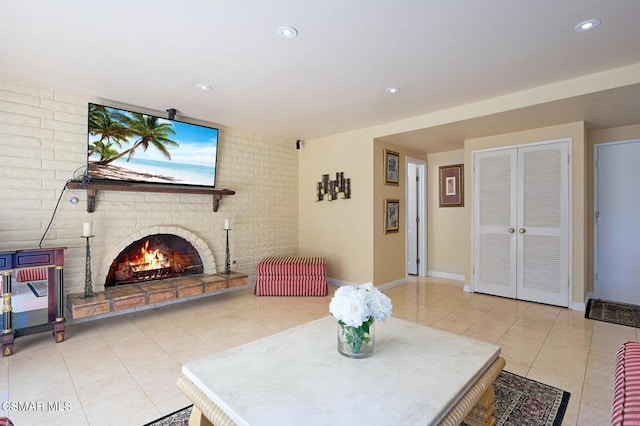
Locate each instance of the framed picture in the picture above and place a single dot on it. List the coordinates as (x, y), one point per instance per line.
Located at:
(452, 185)
(392, 216)
(391, 167)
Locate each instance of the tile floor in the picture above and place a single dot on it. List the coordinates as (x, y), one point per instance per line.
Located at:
(123, 370)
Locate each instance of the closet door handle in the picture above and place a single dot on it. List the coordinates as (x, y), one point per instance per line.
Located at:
(511, 230)
(522, 230)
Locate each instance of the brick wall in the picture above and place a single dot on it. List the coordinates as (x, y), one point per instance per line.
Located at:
(43, 142)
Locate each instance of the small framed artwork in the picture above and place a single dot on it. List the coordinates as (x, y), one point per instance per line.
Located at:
(391, 167)
(452, 185)
(392, 216)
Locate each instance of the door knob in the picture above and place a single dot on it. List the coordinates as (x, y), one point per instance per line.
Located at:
(511, 230)
(522, 230)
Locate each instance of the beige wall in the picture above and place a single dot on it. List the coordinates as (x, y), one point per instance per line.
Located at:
(350, 233)
(43, 142)
(339, 230)
(571, 130)
(615, 134)
(389, 249)
(445, 225)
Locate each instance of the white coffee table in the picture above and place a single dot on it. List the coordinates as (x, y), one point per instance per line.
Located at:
(418, 375)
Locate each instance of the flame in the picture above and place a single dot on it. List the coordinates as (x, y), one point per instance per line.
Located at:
(151, 259)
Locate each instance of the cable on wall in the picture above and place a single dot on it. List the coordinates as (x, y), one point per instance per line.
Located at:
(55, 209)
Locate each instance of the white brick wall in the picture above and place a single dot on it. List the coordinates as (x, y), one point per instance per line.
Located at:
(43, 142)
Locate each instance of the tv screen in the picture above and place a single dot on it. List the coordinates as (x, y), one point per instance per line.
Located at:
(134, 147)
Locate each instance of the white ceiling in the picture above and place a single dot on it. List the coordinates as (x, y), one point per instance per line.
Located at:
(332, 78)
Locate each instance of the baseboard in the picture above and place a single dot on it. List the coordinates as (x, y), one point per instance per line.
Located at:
(392, 284)
(339, 283)
(381, 287)
(578, 306)
(467, 289)
(446, 275)
(589, 297)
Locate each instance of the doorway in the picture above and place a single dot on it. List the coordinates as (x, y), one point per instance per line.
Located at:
(617, 221)
(416, 195)
(521, 222)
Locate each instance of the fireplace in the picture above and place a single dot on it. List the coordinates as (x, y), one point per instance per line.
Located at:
(154, 257)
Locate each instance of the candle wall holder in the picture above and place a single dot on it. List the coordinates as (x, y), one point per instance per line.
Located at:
(227, 256)
(333, 189)
(88, 285)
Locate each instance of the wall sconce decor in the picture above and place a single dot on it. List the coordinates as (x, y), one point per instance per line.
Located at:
(340, 187)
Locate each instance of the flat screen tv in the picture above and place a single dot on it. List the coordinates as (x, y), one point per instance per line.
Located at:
(129, 146)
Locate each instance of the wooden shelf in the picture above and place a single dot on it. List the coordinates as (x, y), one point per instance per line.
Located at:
(93, 188)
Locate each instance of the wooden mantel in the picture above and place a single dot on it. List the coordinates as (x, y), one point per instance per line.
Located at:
(93, 188)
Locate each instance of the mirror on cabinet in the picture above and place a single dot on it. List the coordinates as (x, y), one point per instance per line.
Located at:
(29, 297)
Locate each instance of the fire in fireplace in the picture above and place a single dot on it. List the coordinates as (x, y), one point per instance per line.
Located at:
(154, 257)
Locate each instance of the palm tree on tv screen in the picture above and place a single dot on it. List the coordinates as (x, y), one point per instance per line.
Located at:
(105, 151)
(151, 132)
(109, 127)
(146, 131)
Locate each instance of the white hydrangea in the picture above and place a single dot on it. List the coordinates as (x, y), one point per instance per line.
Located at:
(350, 306)
(379, 304)
(355, 305)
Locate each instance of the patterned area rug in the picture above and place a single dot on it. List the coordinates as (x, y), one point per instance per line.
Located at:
(519, 401)
(617, 313)
(522, 401)
(177, 418)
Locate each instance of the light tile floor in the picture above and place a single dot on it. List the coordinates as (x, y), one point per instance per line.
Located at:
(123, 370)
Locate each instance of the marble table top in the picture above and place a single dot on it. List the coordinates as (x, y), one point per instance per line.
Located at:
(416, 375)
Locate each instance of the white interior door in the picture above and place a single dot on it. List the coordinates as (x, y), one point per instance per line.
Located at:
(416, 196)
(618, 222)
(494, 206)
(543, 217)
(413, 239)
(521, 223)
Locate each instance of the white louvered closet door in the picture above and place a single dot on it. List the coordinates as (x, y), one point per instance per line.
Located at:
(521, 223)
(494, 206)
(543, 224)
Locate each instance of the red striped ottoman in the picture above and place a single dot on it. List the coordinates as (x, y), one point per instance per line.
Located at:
(291, 276)
(626, 388)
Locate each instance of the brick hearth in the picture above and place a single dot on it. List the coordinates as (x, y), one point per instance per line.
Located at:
(129, 296)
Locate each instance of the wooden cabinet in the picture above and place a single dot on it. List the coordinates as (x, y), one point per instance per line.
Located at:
(40, 271)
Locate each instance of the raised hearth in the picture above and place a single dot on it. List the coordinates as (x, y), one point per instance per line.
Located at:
(129, 296)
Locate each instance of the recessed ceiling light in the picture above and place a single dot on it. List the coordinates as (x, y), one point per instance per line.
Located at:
(204, 87)
(287, 32)
(392, 90)
(587, 25)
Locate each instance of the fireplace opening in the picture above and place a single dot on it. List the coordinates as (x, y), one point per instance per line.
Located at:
(154, 257)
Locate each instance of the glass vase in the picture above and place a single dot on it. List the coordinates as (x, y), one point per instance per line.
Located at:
(357, 342)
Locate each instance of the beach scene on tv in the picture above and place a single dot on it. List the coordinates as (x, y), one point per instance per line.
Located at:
(135, 147)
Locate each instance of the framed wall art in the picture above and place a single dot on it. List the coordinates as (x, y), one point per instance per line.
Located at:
(391, 167)
(452, 185)
(392, 216)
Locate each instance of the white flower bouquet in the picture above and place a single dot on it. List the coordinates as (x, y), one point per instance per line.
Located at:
(356, 308)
